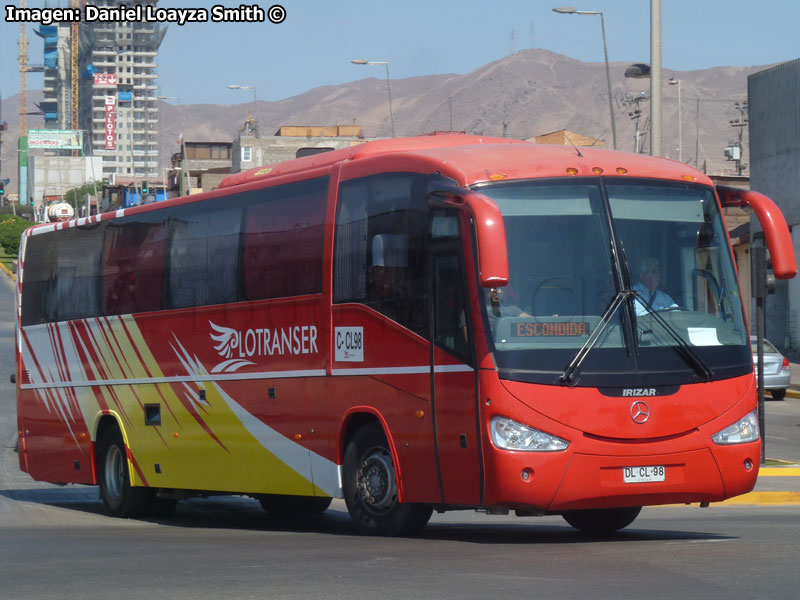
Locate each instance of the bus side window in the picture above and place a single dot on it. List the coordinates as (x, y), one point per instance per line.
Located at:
(204, 255)
(389, 264)
(133, 270)
(77, 289)
(450, 311)
(380, 259)
(39, 299)
(284, 240)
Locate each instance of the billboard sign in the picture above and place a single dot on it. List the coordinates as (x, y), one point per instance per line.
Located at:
(111, 123)
(105, 80)
(55, 139)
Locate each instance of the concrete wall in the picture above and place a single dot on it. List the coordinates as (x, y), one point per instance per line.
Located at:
(774, 115)
(273, 149)
(56, 175)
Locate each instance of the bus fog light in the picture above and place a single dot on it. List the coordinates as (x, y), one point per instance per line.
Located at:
(742, 431)
(748, 465)
(527, 474)
(510, 435)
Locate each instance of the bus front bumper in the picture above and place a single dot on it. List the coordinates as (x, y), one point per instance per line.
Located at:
(557, 483)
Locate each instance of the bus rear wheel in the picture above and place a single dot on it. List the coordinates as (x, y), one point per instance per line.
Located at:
(602, 521)
(370, 488)
(120, 498)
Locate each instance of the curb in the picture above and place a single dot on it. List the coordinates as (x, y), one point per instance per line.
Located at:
(772, 498)
(787, 471)
(763, 498)
(14, 277)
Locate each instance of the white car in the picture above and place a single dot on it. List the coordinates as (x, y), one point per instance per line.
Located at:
(776, 369)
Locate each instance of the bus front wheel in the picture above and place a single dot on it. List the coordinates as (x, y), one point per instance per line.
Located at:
(370, 488)
(120, 498)
(602, 521)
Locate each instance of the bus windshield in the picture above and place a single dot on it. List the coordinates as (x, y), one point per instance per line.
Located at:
(574, 245)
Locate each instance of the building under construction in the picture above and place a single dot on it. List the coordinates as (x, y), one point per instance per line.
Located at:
(115, 71)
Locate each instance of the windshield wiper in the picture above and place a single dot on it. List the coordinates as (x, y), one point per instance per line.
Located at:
(618, 301)
(682, 347)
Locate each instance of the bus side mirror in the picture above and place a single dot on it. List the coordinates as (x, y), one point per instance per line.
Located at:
(489, 228)
(776, 232)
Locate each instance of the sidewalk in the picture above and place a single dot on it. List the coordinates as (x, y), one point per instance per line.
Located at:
(794, 384)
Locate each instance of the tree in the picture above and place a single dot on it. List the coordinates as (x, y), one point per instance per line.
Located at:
(11, 229)
(77, 196)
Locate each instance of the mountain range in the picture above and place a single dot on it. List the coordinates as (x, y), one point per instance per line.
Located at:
(526, 94)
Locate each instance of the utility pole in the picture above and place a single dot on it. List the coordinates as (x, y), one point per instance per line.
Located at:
(735, 151)
(632, 103)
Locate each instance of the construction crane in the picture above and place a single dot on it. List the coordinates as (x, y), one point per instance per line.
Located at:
(75, 75)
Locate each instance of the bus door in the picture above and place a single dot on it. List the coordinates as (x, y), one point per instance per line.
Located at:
(453, 380)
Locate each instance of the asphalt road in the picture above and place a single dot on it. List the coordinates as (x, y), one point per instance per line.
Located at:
(56, 543)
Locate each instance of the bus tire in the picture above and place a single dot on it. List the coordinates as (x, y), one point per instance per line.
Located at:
(120, 498)
(602, 521)
(294, 505)
(370, 488)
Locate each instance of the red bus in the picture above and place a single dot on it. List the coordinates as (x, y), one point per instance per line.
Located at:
(441, 322)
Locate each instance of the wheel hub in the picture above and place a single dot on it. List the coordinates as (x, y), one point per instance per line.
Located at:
(114, 474)
(375, 481)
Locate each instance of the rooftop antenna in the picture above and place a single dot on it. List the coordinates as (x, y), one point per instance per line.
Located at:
(571, 143)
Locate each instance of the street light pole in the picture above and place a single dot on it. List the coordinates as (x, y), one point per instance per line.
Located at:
(235, 86)
(361, 61)
(568, 10)
(655, 77)
(673, 81)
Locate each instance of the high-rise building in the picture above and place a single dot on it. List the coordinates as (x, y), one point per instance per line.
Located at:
(123, 112)
(118, 95)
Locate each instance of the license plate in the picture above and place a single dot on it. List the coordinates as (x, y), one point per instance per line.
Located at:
(644, 474)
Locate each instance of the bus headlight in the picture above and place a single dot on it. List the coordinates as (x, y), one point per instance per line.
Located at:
(743, 430)
(510, 435)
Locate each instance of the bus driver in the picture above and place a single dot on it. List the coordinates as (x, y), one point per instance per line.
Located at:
(648, 296)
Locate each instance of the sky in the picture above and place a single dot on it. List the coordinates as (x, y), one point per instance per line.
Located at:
(313, 46)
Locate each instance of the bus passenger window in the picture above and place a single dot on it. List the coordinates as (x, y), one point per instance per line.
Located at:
(389, 261)
(133, 270)
(204, 256)
(379, 257)
(283, 241)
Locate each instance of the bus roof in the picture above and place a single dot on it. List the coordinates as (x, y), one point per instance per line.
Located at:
(499, 158)
(453, 155)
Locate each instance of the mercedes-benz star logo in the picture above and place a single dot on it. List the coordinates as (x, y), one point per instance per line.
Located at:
(640, 412)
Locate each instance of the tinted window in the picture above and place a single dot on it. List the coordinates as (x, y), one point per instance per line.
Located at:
(133, 274)
(39, 279)
(61, 277)
(283, 244)
(311, 151)
(204, 254)
(380, 259)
